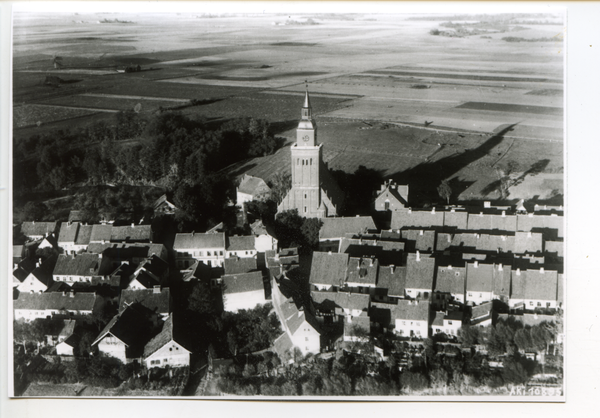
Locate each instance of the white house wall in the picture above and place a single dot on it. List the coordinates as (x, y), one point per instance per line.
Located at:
(113, 347)
(405, 326)
(171, 354)
(245, 300)
(32, 284)
(479, 297)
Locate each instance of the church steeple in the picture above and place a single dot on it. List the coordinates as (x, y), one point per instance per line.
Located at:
(307, 128)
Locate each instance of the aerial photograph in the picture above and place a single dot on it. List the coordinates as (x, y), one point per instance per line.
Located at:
(301, 205)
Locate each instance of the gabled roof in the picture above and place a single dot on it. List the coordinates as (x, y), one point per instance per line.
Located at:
(258, 228)
(479, 277)
(68, 232)
(157, 302)
(131, 233)
(58, 287)
(557, 247)
(451, 279)
(252, 185)
(392, 190)
(132, 328)
(44, 271)
(199, 241)
(420, 273)
(198, 270)
(241, 243)
(68, 328)
(282, 344)
(79, 265)
(165, 336)
(533, 284)
(455, 220)
(20, 274)
(362, 271)
(84, 234)
(424, 239)
(30, 229)
(502, 243)
(55, 301)
(155, 265)
(238, 265)
(344, 300)
(243, 282)
(328, 268)
(439, 319)
(501, 280)
(481, 311)
(75, 216)
(100, 233)
(538, 222)
(528, 242)
(146, 279)
(417, 219)
(487, 222)
(392, 278)
(411, 310)
(337, 227)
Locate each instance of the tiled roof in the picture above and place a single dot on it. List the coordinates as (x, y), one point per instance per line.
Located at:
(328, 268)
(392, 278)
(241, 243)
(282, 344)
(20, 274)
(451, 279)
(337, 227)
(393, 192)
(84, 235)
(158, 302)
(100, 233)
(443, 242)
(455, 220)
(30, 229)
(56, 301)
(199, 241)
(487, 242)
(295, 321)
(417, 219)
(238, 265)
(68, 232)
(390, 235)
(419, 273)
(533, 284)
(80, 265)
(528, 242)
(504, 223)
(165, 336)
(251, 185)
(131, 233)
(557, 247)
(501, 280)
(244, 282)
(479, 278)
(482, 310)
(537, 222)
(155, 265)
(198, 270)
(424, 239)
(44, 272)
(344, 300)
(59, 287)
(411, 310)
(439, 319)
(363, 271)
(561, 288)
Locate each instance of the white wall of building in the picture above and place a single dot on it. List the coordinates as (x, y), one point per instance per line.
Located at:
(246, 300)
(171, 354)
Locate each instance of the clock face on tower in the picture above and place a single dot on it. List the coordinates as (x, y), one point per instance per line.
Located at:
(305, 138)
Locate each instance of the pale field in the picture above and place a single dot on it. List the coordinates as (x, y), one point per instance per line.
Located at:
(370, 66)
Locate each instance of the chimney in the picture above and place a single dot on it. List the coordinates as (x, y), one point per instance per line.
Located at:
(449, 238)
(156, 289)
(421, 232)
(541, 270)
(450, 267)
(133, 225)
(500, 267)
(433, 211)
(371, 262)
(503, 237)
(329, 253)
(71, 294)
(476, 264)
(518, 271)
(392, 268)
(480, 213)
(529, 234)
(63, 293)
(503, 213)
(418, 256)
(487, 204)
(409, 210)
(452, 210)
(37, 263)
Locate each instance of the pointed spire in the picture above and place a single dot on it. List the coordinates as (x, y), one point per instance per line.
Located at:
(306, 98)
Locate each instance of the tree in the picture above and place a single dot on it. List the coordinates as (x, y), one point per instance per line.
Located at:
(34, 211)
(310, 231)
(280, 184)
(445, 191)
(201, 300)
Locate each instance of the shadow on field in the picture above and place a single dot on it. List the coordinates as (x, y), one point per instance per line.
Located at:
(426, 177)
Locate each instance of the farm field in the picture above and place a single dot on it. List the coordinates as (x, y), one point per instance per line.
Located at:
(374, 81)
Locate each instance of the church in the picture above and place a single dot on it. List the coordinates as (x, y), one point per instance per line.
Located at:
(314, 192)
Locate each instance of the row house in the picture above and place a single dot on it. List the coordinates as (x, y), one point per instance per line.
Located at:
(533, 289)
(334, 230)
(241, 246)
(479, 282)
(30, 306)
(362, 273)
(40, 278)
(448, 322)
(38, 230)
(420, 274)
(301, 328)
(411, 318)
(208, 248)
(391, 283)
(328, 270)
(81, 268)
(450, 285)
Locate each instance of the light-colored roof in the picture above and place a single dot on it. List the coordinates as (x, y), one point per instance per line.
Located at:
(535, 222)
(337, 227)
(501, 279)
(238, 265)
(411, 310)
(417, 219)
(243, 282)
(479, 277)
(131, 233)
(252, 185)
(80, 265)
(392, 278)
(100, 233)
(344, 300)
(328, 268)
(420, 273)
(535, 285)
(199, 241)
(241, 243)
(30, 229)
(55, 301)
(68, 232)
(451, 279)
(363, 271)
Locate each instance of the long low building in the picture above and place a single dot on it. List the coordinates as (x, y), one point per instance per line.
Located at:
(30, 306)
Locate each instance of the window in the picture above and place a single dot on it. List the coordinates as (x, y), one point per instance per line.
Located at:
(298, 161)
(305, 196)
(449, 322)
(208, 253)
(530, 303)
(170, 348)
(305, 338)
(547, 304)
(302, 162)
(470, 295)
(155, 362)
(539, 304)
(305, 209)
(311, 161)
(220, 252)
(387, 205)
(480, 295)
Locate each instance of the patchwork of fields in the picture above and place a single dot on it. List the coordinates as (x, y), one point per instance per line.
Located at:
(386, 93)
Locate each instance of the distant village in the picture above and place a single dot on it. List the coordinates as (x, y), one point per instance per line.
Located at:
(425, 274)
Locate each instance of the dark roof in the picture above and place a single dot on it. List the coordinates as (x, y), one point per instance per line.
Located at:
(481, 311)
(238, 265)
(75, 216)
(363, 271)
(166, 335)
(439, 319)
(57, 301)
(155, 265)
(198, 270)
(59, 287)
(251, 185)
(420, 273)
(44, 272)
(424, 239)
(20, 274)
(411, 310)
(244, 282)
(30, 229)
(392, 278)
(146, 279)
(451, 279)
(328, 268)
(240, 243)
(479, 277)
(80, 265)
(193, 240)
(337, 227)
(391, 189)
(533, 284)
(68, 232)
(121, 251)
(331, 300)
(100, 233)
(84, 235)
(158, 302)
(131, 233)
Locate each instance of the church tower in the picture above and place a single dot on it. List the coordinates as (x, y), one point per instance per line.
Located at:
(310, 177)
